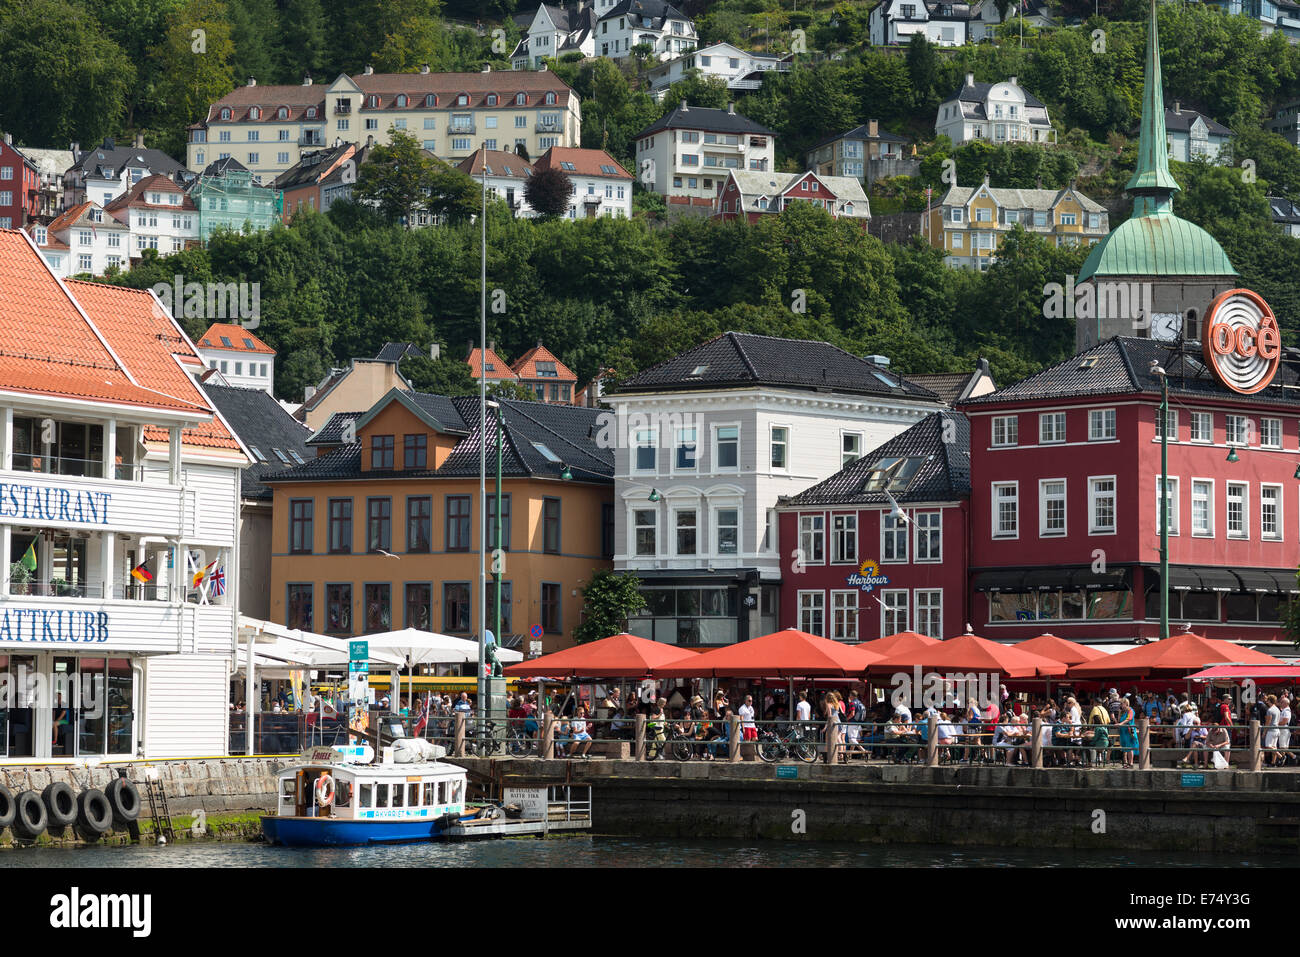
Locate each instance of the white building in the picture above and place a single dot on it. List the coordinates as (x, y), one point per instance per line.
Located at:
(83, 240)
(600, 186)
(653, 24)
(160, 215)
(687, 154)
(1194, 135)
(894, 22)
(997, 112)
(111, 459)
(741, 70)
(507, 175)
(244, 361)
(103, 173)
(707, 443)
(554, 31)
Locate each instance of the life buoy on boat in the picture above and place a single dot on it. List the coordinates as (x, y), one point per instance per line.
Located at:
(325, 790)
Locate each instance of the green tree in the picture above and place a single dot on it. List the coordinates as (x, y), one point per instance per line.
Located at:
(445, 375)
(303, 43)
(196, 57)
(548, 192)
(608, 600)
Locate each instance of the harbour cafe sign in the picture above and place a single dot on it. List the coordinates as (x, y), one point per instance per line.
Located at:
(867, 576)
(1242, 343)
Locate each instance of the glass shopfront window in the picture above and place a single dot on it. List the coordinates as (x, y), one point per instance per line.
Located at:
(688, 616)
(65, 706)
(1060, 605)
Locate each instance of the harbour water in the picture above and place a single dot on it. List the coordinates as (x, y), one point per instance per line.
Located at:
(607, 852)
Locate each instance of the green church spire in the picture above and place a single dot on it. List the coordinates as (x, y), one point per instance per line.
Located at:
(1152, 185)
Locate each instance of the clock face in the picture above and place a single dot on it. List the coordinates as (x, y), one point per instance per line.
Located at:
(1166, 325)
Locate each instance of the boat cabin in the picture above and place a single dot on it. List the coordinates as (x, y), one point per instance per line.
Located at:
(360, 792)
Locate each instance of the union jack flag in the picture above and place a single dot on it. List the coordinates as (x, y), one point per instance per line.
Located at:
(218, 582)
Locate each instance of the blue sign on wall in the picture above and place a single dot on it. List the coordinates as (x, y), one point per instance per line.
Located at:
(358, 650)
(1193, 780)
(787, 771)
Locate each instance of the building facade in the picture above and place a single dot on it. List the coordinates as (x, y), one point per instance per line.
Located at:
(227, 197)
(895, 22)
(20, 187)
(160, 215)
(866, 153)
(753, 195)
(601, 187)
(741, 70)
(996, 112)
(685, 155)
(103, 173)
(83, 240)
(244, 360)
(1195, 136)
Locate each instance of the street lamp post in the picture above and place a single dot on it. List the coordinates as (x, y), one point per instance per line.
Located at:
(482, 466)
(1156, 369)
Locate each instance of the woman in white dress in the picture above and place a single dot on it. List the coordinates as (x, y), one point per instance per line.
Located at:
(1271, 729)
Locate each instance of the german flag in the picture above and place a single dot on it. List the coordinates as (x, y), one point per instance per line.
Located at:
(141, 573)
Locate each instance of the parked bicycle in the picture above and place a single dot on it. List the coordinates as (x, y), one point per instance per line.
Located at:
(485, 743)
(519, 742)
(774, 747)
(678, 745)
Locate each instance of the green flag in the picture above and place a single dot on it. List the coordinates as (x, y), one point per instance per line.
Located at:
(28, 560)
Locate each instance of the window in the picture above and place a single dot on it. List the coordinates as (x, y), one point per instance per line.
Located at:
(844, 539)
(687, 527)
(460, 144)
(300, 606)
(1101, 505)
(1202, 427)
(1051, 428)
(419, 606)
(929, 612)
(850, 447)
(686, 449)
(338, 608)
(507, 625)
(551, 526)
(1202, 508)
(956, 214)
(1270, 433)
(1006, 509)
(419, 523)
(1051, 508)
(1101, 424)
(84, 263)
(779, 443)
(929, 536)
(844, 615)
(1171, 505)
(1005, 430)
(726, 448)
(727, 521)
(893, 538)
(812, 531)
(551, 608)
(458, 521)
(505, 521)
(379, 524)
(300, 525)
(381, 451)
(415, 449)
(378, 600)
(1171, 419)
(340, 526)
(645, 522)
(644, 455)
(893, 611)
(1270, 512)
(812, 612)
(455, 606)
(1238, 430)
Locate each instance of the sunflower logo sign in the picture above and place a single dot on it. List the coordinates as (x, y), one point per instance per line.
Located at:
(868, 575)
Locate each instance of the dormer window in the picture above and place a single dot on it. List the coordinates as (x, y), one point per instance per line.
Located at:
(402, 100)
(372, 101)
(255, 113)
(462, 100)
(550, 99)
(311, 112)
(430, 100)
(282, 113)
(225, 115)
(492, 99)
(521, 99)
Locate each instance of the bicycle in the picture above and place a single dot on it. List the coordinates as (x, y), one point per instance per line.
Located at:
(520, 743)
(773, 747)
(677, 744)
(485, 744)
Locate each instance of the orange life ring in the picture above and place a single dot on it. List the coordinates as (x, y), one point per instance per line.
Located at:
(325, 790)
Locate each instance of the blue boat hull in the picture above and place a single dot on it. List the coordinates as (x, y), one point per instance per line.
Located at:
(334, 832)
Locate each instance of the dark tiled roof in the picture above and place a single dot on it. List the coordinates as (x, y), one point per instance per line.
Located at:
(261, 423)
(948, 386)
(331, 433)
(1123, 365)
(309, 166)
(656, 10)
(449, 413)
(116, 158)
(979, 92)
(1284, 211)
(743, 359)
(227, 164)
(944, 476)
(861, 133)
(1182, 122)
(392, 351)
(702, 118)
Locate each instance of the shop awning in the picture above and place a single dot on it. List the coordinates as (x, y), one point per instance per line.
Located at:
(1223, 579)
(1036, 579)
(1242, 672)
(1173, 657)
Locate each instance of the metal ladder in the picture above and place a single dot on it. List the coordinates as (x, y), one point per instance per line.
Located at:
(159, 811)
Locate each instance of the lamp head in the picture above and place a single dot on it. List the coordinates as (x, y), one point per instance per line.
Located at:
(1233, 457)
(654, 495)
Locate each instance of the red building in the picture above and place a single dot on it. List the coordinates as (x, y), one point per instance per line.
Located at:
(1065, 469)
(20, 187)
(880, 547)
(755, 194)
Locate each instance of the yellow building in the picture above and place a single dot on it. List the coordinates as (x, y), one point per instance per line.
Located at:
(970, 221)
(452, 114)
(383, 532)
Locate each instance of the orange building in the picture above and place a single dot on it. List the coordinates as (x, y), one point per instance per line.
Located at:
(383, 532)
(538, 368)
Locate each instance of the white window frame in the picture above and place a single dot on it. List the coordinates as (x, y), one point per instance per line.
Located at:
(1049, 418)
(1267, 425)
(817, 604)
(772, 442)
(888, 596)
(1244, 534)
(1202, 417)
(716, 526)
(997, 510)
(638, 444)
(919, 625)
(1172, 419)
(1207, 485)
(851, 528)
(845, 601)
(1098, 420)
(1228, 437)
(921, 534)
(807, 521)
(1043, 530)
(1094, 496)
(893, 529)
(679, 442)
(1172, 496)
(716, 462)
(845, 456)
(1276, 535)
(1010, 433)
(634, 527)
(681, 510)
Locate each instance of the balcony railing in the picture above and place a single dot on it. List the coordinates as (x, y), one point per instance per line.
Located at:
(342, 109)
(461, 128)
(83, 468)
(311, 139)
(118, 591)
(557, 127)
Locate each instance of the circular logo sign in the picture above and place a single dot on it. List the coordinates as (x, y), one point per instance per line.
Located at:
(1242, 342)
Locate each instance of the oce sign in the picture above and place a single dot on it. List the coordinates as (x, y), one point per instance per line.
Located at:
(1242, 342)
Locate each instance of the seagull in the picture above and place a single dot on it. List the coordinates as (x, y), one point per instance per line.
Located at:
(387, 554)
(897, 511)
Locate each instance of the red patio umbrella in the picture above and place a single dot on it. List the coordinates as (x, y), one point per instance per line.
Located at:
(899, 643)
(784, 654)
(967, 653)
(1058, 649)
(1174, 657)
(618, 656)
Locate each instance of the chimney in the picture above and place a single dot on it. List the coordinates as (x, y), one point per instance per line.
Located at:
(731, 109)
(1012, 81)
(368, 70)
(882, 361)
(306, 81)
(986, 177)
(308, 392)
(252, 81)
(487, 67)
(1178, 108)
(685, 108)
(9, 139)
(435, 351)
(873, 127)
(1040, 182)
(970, 79)
(424, 68)
(75, 149)
(139, 141)
(492, 345)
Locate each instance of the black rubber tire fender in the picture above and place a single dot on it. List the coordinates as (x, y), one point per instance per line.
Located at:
(124, 799)
(30, 818)
(7, 807)
(60, 804)
(94, 814)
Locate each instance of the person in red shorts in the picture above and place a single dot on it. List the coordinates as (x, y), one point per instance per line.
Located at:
(748, 729)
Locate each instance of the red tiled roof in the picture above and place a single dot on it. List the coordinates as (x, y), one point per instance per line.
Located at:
(498, 162)
(585, 162)
(499, 370)
(236, 334)
(68, 217)
(526, 365)
(295, 97)
(157, 183)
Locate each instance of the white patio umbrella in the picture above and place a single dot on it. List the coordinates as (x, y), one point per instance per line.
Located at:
(418, 647)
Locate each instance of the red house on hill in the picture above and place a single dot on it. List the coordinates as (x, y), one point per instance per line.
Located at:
(755, 194)
(20, 187)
